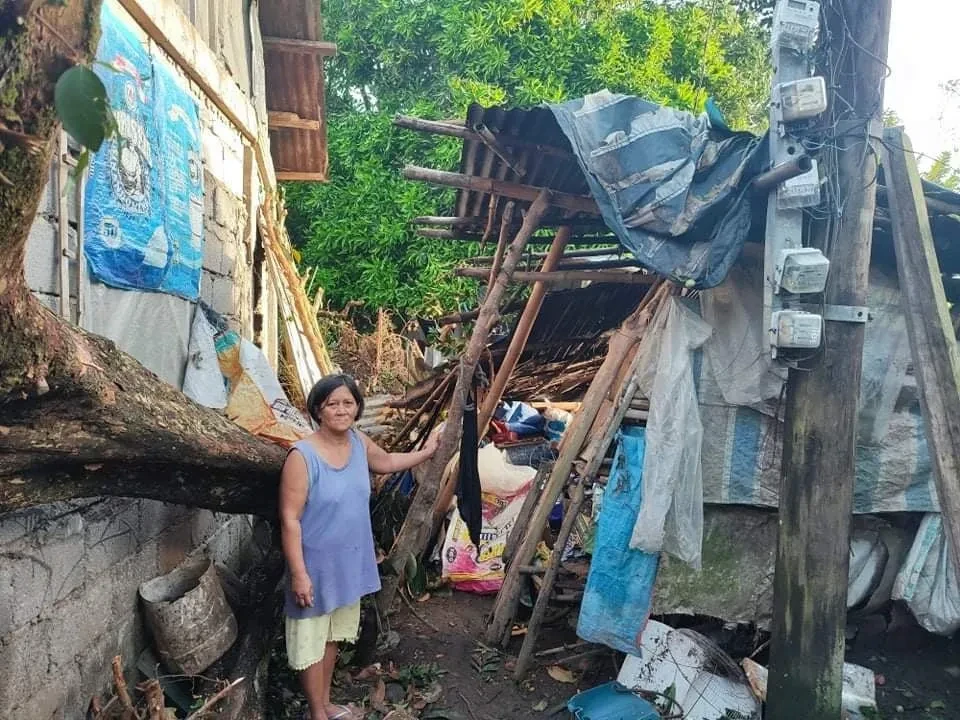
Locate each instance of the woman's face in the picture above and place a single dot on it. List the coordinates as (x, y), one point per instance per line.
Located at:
(339, 410)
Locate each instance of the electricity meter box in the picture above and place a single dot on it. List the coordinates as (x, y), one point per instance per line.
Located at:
(801, 271)
(800, 191)
(802, 99)
(796, 24)
(795, 330)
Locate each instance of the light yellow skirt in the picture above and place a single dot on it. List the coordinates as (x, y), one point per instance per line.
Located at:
(307, 638)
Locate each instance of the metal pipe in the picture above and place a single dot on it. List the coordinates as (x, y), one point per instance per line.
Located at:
(765, 182)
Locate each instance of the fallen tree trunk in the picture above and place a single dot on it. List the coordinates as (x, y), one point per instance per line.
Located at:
(78, 417)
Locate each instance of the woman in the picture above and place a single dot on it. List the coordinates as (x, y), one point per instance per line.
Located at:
(327, 537)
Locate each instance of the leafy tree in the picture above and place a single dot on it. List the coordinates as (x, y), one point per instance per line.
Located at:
(943, 172)
(432, 58)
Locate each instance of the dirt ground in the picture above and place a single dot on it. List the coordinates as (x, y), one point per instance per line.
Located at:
(477, 682)
(440, 654)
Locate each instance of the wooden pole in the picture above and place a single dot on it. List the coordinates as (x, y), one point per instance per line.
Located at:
(936, 360)
(451, 129)
(482, 260)
(624, 277)
(521, 333)
(417, 527)
(515, 191)
(505, 221)
(816, 495)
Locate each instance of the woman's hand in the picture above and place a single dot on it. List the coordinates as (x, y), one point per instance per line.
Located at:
(302, 589)
(430, 446)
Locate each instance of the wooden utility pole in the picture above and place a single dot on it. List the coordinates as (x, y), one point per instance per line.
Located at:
(816, 495)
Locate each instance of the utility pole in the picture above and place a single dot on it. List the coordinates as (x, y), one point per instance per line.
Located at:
(816, 495)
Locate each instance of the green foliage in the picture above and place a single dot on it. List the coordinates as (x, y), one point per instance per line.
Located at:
(943, 172)
(81, 102)
(432, 58)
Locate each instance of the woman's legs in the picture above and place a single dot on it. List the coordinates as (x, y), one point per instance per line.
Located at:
(317, 681)
(312, 681)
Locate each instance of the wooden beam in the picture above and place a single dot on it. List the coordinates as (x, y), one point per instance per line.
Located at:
(936, 359)
(322, 48)
(515, 191)
(819, 448)
(167, 25)
(564, 276)
(282, 119)
(572, 255)
(451, 129)
(521, 333)
(294, 176)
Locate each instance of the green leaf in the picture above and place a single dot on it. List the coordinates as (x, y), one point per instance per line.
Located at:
(81, 103)
(82, 161)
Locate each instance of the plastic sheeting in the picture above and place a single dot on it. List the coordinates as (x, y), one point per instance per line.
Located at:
(203, 382)
(671, 516)
(742, 446)
(152, 327)
(617, 597)
(143, 226)
(928, 580)
(667, 184)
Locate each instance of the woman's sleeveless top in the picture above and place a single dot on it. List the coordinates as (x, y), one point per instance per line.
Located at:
(338, 548)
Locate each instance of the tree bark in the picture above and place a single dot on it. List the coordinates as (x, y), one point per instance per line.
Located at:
(78, 417)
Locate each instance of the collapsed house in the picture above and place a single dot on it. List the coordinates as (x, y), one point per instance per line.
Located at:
(600, 336)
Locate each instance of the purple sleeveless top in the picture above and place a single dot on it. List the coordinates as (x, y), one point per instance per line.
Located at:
(337, 537)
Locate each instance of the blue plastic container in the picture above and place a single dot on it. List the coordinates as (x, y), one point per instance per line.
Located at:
(611, 701)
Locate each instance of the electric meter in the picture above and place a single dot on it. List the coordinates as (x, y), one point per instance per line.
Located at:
(802, 99)
(800, 191)
(795, 330)
(801, 271)
(796, 24)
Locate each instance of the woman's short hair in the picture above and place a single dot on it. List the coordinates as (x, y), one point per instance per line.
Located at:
(324, 389)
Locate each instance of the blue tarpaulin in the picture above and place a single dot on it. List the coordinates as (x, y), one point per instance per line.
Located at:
(668, 183)
(617, 598)
(144, 197)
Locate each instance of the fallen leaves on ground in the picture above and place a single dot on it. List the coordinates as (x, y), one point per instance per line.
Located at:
(561, 674)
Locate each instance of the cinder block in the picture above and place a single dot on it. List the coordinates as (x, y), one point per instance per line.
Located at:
(111, 535)
(223, 295)
(41, 261)
(212, 252)
(206, 287)
(226, 206)
(23, 666)
(31, 580)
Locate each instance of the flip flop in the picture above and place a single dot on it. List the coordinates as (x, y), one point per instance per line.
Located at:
(344, 713)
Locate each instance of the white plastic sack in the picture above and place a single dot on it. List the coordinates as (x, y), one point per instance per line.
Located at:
(671, 511)
(203, 381)
(928, 580)
(497, 476)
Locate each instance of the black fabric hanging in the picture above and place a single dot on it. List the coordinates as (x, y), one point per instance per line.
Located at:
(469, 502)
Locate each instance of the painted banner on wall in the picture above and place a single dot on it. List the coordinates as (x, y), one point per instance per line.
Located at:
(143, 222)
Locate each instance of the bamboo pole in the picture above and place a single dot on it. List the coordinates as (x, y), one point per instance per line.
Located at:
(572, 254)
(461, 131)
(516, 191)
(521, 333)
(418, 526)
(497, 263)
(624, 277)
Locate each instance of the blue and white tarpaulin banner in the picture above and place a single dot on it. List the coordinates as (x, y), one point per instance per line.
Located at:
(143, 223)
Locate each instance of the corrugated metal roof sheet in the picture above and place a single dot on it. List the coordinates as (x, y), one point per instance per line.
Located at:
(295, 84)
(544, 154)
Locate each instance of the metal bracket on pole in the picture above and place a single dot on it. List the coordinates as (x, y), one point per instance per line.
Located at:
(836, 313)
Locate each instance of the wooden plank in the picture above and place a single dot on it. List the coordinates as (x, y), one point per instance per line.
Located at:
(283, 119)
(936, 359)
(63, 226)
(516, 191)
(167, 25)
(322, 48)
(294, 176)
(624, 277)
(819, 450)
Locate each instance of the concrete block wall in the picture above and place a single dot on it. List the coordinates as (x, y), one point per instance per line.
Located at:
(69, 573)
